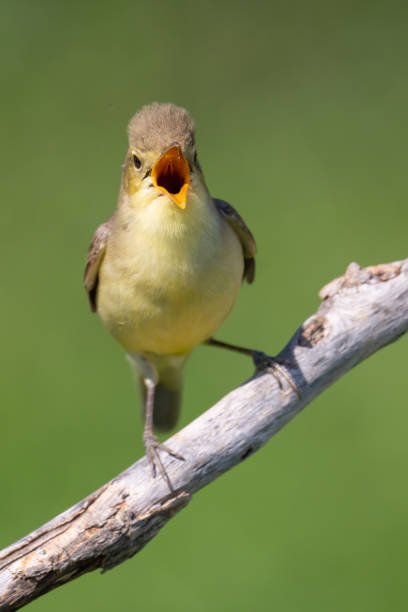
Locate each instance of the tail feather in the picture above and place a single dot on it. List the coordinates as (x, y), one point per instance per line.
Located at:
(167, 371)
(167, 404)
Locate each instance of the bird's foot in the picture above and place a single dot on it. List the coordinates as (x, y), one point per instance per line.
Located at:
(152, 447)
(276, 367)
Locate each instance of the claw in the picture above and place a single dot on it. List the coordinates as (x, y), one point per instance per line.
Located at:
(273, 366)
(152, 447)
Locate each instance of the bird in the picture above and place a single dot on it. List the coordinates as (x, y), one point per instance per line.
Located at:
(164, 271)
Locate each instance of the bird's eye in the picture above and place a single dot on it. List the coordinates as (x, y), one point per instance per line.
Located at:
(137, 162)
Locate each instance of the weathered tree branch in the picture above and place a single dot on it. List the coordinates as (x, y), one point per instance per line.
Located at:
(361, 312)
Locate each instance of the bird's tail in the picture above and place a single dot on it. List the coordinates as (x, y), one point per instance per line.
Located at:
(167, 402)
(167, 371)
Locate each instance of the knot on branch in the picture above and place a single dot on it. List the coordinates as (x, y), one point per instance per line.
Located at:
(356, 276)
(313, 331)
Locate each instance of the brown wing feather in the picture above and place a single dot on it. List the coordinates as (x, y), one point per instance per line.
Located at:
(247, 240)
(93, 261)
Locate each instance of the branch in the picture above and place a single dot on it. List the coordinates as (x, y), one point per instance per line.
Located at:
(361, 312)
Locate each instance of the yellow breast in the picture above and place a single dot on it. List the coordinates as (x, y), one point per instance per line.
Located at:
(169, 277)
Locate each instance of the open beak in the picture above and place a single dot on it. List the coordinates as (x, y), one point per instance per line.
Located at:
(171, 175)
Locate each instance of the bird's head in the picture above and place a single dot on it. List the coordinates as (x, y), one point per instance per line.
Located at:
(162, 159)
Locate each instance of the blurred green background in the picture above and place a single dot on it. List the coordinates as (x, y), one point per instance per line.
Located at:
(301, 109)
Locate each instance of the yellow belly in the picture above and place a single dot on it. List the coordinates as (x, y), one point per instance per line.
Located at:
(167, 295)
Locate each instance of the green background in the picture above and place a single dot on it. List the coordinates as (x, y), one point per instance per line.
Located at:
(301, 109)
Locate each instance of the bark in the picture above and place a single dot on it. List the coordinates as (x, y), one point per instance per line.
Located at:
(360, 313)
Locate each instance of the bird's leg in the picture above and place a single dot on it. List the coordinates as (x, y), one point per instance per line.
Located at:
(151, 443)
(262, 361)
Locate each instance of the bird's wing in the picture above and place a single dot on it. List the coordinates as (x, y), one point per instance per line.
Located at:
(93, 261)
(245, 236)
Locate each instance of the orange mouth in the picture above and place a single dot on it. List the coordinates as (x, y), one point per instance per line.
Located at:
(171, 175)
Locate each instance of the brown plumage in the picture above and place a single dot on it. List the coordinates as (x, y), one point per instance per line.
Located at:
(244, 234)
(157, 126)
